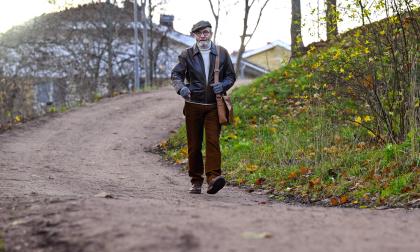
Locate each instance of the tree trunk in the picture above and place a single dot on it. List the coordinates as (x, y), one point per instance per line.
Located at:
(362, 11)
(216, 18)
(295, 30)
(332, 18)
(245, 32)
(109, 38)
(242, 46)
(136, 41)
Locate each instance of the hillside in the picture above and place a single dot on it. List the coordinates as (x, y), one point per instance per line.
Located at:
(334, 127)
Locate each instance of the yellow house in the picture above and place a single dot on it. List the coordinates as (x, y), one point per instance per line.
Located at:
(264, 59)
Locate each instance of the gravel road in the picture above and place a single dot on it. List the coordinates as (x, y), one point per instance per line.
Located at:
(85, 180)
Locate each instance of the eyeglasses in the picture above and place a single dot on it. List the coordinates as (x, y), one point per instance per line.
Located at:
(205, 33)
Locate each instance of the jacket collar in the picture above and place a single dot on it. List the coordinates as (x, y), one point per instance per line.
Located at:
(212, 49)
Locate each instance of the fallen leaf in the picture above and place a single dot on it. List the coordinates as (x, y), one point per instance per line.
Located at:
(337, 139)
(343, 199)
(368, 81)
(331, 150)
(292, 175)
(304, 170)
(251, 167)
(334, 201)
(406, 189)
(366, 196)
(360, 145)
(18, 118)
(184, 151)
(232, 136)
(357, 120)
(314, 182)
(259, 181)
(241, 181)
(256, 235)
(367, 118)
(181, 161)
(163, 144)
(18, 222)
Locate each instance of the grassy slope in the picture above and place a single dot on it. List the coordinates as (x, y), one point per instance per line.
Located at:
(292, 144)
(304, 139)
(2, 249)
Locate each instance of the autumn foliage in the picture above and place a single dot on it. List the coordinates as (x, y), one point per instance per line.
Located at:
(336, 127)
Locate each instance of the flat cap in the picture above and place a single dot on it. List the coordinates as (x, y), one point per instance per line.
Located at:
(200, 25)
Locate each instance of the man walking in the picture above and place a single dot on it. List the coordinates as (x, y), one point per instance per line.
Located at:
(193, 79)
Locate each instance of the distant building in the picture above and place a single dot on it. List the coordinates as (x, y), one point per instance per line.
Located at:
(66, 54)
(262, 60)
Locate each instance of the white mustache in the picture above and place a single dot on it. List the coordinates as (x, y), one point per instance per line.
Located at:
(203, 43)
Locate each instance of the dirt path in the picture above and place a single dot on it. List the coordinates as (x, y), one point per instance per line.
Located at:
(51, 172)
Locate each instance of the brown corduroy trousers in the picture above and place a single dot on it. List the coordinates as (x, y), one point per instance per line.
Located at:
(202, 118)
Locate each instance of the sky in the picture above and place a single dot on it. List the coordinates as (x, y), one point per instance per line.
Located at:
(15, 12)
(274, 24)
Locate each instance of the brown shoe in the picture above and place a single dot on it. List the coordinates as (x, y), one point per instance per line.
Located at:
(195, 189)
(216, 184)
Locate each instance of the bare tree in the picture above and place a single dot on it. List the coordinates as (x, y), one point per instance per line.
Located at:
(146, 66)
(362, 11)
(94, 44)
(109, 36)
(156, 38)
(160, 49)
(245, 33)
(102, 34)
(332, 19)
(295, 30)
(216, 17)
(107, 23)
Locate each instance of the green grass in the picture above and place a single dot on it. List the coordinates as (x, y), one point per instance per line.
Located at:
(294, 134)
(294, 144)
(2, 243)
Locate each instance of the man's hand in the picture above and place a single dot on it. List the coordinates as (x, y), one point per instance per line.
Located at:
(185, 92)
(218, 88)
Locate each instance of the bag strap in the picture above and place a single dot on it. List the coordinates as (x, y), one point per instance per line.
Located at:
(216, 65)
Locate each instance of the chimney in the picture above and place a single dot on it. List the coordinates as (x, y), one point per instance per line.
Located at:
(167, 20)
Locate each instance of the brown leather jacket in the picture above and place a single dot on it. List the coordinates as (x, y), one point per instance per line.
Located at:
(190, 67)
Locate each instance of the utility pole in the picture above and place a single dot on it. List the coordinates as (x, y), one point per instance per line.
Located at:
(136, 51)
(145, 45)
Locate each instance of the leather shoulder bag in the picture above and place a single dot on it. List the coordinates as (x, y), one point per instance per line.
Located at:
(224, 103)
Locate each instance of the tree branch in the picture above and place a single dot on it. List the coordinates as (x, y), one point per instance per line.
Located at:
(258, 21)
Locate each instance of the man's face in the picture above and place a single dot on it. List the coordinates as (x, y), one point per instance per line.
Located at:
(203, 37)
